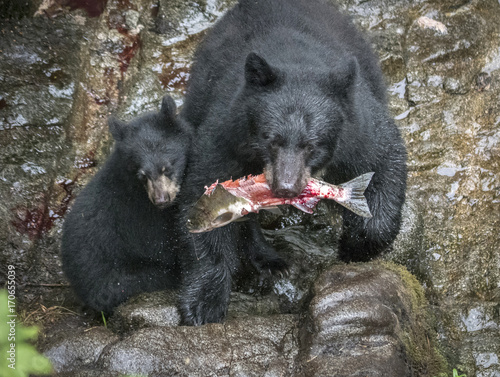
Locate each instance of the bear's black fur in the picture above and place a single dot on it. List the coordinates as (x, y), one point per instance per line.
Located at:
(291, 88)
(120, 237)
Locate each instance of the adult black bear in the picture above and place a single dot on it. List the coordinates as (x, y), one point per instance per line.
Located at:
(120, 237)
(291, 88)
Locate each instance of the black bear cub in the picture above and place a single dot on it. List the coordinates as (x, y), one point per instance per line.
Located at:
(290, 88)
(120, 237)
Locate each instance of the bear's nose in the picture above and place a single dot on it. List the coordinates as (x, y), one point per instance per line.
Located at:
(286, 191)
(161, 198)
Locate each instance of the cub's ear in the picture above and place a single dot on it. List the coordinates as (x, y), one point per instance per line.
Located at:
(168, 106)
(258, 72)
(117, 128)
(342, 80)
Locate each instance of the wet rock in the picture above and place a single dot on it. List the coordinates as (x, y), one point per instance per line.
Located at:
(242, 304)
(132, 19)
(435, 54)
(478, 332)
(250, 346)
(146, 310)
(178, 19)
(270, 350)
(451, 169)
(146, 93)
(165, 68)
(159, 309)
(369, 311)
(454, 86)
(39, 78)
(376, 311)
(36, 64)
(407, 249)
(80, 350)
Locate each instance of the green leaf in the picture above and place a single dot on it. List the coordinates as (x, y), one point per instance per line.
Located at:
(104, 319)
(455, 374)
(22, 357)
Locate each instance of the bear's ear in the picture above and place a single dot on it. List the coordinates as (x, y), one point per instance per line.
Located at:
(168, 106)
(258, 72)
(342, 81)
(117, 128)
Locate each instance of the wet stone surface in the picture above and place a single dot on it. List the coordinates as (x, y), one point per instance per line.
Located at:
(146, 310)
(81, 350)
(65, 69)
(369, 310)
(361, 310)
(451, 130)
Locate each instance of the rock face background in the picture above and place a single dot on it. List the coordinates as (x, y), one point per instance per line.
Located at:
(67, 64)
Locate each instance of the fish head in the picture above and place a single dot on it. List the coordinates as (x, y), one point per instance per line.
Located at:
(215, 210)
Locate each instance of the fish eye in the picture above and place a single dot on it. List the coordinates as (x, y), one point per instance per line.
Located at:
(224, 218)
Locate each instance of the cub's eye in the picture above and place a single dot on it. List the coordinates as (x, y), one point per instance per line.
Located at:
(142, 175)
(167, 169)
(265, 135)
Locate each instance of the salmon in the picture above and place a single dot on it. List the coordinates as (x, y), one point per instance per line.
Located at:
(223, 203)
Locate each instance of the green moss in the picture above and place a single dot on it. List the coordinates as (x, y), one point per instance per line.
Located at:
(418, 334)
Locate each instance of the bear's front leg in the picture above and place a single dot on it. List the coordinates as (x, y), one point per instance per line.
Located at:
(363, 239)
(208, 266)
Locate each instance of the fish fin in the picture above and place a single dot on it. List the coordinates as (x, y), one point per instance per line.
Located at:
(356, 201)
(273, 210)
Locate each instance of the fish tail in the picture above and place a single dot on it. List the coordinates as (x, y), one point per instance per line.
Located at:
(356, 201)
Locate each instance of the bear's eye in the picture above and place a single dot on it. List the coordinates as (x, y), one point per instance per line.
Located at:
(308, 148)
(278, 141)
(265, 135)
(142, 175)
